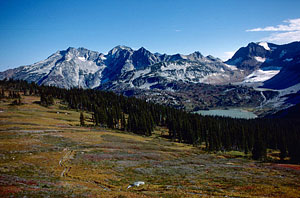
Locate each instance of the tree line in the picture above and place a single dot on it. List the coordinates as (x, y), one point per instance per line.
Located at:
(138, 116)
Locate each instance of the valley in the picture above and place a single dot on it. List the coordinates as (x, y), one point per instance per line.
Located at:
(193, 97)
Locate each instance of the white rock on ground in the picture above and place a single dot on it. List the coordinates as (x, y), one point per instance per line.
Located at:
(136, 184)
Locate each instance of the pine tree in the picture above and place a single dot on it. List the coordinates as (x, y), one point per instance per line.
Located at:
(123, 122)
(259, 151)
(294, 149)
(2, 93)
(282, 148)
(81, 119)
(46, 100)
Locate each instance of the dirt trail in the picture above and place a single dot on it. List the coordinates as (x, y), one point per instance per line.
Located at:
(63, 162)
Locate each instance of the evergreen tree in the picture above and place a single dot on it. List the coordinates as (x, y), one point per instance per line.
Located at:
(46, 100)
(282, 148)
(81, 119)
(259, 151)
(123, 122)
(2, 95)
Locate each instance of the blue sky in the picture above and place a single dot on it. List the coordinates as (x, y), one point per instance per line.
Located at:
(31, 30)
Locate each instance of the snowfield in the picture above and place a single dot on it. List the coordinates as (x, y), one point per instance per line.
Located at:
(265, 45)
(260, 76)
(260, 59)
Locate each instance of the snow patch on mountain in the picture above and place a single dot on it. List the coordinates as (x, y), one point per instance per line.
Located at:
(265, 45)
(232, 67)
(147, 85)
(279, 102)
(260, 59)
(42, 70)
(260, 75)
(81, 58)
(139, 73)
(174, 66)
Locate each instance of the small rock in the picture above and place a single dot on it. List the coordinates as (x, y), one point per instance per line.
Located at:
(136, 184)
(229, 163)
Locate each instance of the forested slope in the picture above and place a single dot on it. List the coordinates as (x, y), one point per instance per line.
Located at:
(141, 117)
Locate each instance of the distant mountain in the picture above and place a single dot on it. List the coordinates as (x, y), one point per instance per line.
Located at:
(67, 68)
(289, 75)
(262, 61)
(178, 80)
(262, 55)
(88, 69)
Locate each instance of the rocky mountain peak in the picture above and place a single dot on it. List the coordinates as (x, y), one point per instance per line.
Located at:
(71, 49)
(255, 49)
(143, 52)
(142, 49)
(195, 56)
(119, 49)
(212, 58)
(90, 69)
(250, 57)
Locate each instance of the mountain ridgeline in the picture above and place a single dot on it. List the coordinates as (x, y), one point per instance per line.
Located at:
(141, 117)
(88, 69)
(142, 69)
(268, 57)
(187, 82)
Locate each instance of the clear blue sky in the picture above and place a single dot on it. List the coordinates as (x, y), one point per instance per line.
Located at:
(31, 30)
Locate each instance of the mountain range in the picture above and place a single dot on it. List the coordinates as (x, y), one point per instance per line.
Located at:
(258, 74)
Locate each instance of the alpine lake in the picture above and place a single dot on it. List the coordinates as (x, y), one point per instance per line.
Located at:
(233, 113)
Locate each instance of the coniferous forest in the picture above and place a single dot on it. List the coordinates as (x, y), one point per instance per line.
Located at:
(140, 117)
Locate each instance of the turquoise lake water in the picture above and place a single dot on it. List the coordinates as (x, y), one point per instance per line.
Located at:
(233, 113)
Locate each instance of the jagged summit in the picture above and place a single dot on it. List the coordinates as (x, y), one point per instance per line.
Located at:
(264, 45)
(119, 48)
(80, 67)
(155, 76)
(123, 66)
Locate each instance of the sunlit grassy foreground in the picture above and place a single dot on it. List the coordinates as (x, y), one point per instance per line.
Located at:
(44, 152)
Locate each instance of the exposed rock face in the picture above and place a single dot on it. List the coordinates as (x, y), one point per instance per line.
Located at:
(88, 69)
(268, 57)
(177, 80)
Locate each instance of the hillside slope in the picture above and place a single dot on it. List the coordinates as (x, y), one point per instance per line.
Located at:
(44, 152)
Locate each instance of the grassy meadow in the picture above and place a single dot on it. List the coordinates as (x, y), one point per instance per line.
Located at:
(44, 152)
